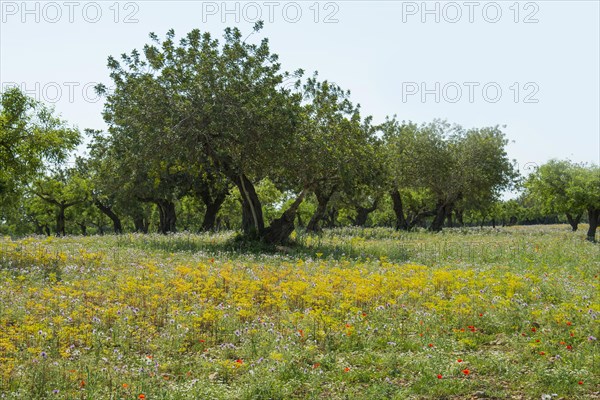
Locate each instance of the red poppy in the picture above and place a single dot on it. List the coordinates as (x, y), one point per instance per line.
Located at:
(572, 334)
(466, 371)
(347, 369)
(580, 382)
(316, 365)
(569, 323)
(569, 347)
(542, 353)
(533, 329)
(82, 383)
(439, 376)
(142, 396)
(430, 345)
(481, 314)
(459, 360)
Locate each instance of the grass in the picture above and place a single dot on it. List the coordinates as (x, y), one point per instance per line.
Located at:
(353, 313)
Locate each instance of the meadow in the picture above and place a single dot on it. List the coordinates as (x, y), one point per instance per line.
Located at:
(350, 314)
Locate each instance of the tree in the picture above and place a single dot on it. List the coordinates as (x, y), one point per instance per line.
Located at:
(30, 137)
(585, 192)
(223, 106)
(413, 156)
(337, 147)
(550, 187)
(62, 189)
(447, 164)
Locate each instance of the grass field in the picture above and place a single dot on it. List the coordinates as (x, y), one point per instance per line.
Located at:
(351, 314)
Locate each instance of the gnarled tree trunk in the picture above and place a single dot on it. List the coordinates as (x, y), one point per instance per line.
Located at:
(401, 223)
(60, 220)
(574, 221)
(253, 223)
(213, 204)
(167, 216)
(140, 224)
(442, 210)
(280, 229)
(117, 226)
(83, 228)
(320, 212)
(362, 213)
(594, 220)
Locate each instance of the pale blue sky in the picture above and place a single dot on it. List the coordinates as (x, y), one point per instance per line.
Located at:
(382, 51)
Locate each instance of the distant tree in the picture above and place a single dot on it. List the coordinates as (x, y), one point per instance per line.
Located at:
(550, 186)
(448, 165)
(337, 148)
(30, 137)
(585, 192)
(62, 189)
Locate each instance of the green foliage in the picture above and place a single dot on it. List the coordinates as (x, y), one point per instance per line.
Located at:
(30, 137)
(551, 185)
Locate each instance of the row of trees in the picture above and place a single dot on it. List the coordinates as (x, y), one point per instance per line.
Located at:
(206, 134)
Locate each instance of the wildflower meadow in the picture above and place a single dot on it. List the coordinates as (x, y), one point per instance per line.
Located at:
(353, 313)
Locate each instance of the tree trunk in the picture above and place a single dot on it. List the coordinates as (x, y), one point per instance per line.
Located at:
(449, 221)
(60, 221)
(117, 226)
(213, 204)
(210, 215)
(331, 217)
(401, 223)
(83, 227)
(417, 219)
(253, 223)
(140, 224)
(574, 222)
(594, 220)
(167, 216)
(320, 212)
(280, 229)
(362, 213)
(100, 226)
(438, 219)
